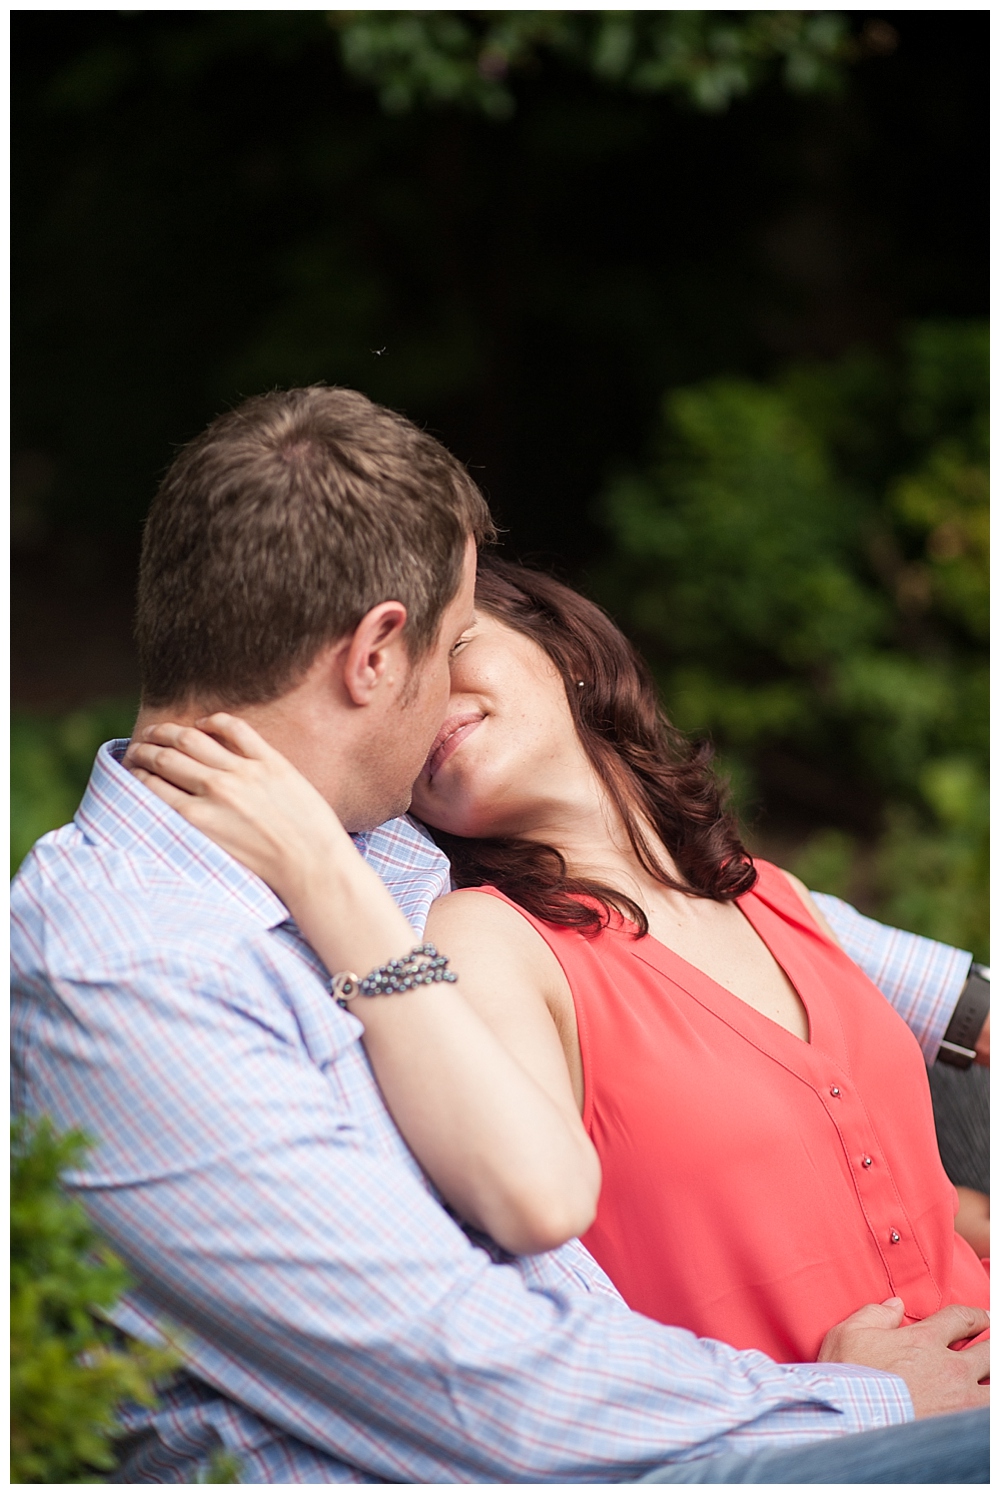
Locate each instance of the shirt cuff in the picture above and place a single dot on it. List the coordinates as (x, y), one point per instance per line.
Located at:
(870, 1399)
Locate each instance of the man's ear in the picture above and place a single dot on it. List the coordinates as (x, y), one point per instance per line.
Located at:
(375, 653)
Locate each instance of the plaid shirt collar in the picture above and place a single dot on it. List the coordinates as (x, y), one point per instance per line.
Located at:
(119, 811)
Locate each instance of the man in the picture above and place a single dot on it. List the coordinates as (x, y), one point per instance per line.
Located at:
(309, 561)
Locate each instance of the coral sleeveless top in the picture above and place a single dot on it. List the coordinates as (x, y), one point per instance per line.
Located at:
(758, 1188)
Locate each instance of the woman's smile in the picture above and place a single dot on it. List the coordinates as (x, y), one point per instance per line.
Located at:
(451, 736)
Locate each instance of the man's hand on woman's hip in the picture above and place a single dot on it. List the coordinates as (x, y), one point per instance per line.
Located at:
(938, 1377)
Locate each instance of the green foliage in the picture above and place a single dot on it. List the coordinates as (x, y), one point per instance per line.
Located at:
(222, 1468)
(66, 1374)
(805, 563)
(933, 867)
(50, 762)
(468, 58)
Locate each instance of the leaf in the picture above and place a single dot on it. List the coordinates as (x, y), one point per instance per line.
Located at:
(68, 1373)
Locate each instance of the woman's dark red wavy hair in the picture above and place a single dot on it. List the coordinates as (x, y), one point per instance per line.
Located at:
(654, 775)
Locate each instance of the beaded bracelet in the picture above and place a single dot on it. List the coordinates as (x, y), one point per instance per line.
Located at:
(423, 966)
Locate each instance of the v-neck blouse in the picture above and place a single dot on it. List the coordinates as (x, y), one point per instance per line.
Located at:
(758, 1188)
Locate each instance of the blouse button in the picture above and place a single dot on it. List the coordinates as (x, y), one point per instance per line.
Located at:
(894, 1238)
(835, 1091)
(866, 1161)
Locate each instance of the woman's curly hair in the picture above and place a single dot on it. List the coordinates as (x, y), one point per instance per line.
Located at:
(654, 775)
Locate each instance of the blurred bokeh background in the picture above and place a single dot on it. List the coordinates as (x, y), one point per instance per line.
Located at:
(700, 297)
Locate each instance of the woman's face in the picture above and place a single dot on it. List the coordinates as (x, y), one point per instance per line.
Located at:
(508, 753)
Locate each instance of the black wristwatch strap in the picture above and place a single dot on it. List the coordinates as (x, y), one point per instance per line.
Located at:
(958, 1046)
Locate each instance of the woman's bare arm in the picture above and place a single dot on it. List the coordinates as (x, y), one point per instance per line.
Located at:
(490, 1115)
(508, 1157)
(513, 981)
(972, 1221)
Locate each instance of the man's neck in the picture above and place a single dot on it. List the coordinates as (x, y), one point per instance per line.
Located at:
(310, 734)
(180, 714)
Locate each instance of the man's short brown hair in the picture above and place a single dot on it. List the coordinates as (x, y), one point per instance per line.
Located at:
(279, 527)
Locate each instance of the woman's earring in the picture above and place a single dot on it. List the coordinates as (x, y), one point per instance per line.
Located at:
(580, 683)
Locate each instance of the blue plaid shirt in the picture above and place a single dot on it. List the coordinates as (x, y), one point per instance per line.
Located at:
(337, 1324)
(922, 979)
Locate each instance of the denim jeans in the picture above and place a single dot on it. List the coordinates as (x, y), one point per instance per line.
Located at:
(939, 1450)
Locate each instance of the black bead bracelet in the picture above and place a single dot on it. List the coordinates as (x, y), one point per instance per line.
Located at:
(423, 966)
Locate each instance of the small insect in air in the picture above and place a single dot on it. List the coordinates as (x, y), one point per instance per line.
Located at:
(378, 352)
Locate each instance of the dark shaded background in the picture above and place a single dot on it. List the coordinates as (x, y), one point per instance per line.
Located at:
(206, 205)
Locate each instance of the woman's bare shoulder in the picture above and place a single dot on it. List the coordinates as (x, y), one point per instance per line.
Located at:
(469, 910)
(474, 905)
(494, 931)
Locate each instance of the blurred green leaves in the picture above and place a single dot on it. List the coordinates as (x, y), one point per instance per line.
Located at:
(67, 1372)
(804, 561)
(50, 762)
(753, 536)
(470, 58)
(946, 504)
(933, 861)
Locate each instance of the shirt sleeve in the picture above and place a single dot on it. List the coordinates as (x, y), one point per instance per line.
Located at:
(920, 977)
(243, 1173)
(413, 868)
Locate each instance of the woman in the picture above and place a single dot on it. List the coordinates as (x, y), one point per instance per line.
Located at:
(761, 1116)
